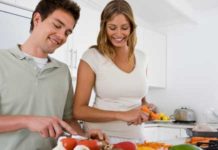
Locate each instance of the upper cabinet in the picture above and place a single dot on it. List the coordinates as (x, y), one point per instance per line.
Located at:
(23, 4)
(153, 44)
(15, 25)
(29, 4)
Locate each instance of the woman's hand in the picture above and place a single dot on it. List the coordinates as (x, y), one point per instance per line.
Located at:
(97, 134)
(135, 116)
(152, 107)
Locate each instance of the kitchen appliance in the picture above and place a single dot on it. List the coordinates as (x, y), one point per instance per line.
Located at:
(211, 115)
(209, 140)
(184, 115)
(210, 145)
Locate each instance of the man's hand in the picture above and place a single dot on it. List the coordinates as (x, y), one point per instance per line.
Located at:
(48, 126)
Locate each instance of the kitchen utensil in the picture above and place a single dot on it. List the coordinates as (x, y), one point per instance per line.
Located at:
(184, 114)
(211, 115)
(75, 136)
(202, 130)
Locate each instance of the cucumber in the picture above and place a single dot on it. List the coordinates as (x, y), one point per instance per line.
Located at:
(185, 147)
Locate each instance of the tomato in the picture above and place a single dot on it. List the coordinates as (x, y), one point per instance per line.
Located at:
(69, 143)
(125, 145)
(91, 144)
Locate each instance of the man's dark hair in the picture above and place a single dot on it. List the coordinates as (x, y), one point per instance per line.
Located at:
(47, 7)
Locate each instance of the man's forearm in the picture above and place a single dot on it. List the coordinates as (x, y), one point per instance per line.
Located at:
(11, 123)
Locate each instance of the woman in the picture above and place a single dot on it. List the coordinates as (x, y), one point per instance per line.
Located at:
(118, 75)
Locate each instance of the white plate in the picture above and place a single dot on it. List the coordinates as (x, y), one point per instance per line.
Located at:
(160, 121)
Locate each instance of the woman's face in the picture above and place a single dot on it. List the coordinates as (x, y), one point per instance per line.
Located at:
(118, 30)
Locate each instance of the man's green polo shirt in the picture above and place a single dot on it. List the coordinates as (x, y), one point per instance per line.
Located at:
(27, 90)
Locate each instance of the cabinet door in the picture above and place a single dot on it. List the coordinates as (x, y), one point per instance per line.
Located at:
(155, 46)
(67, 55)
(84, 34)
(14, 26)
(165, 134)
(29, 4)
(8, 1)
(150, 134)
(140, 45)
(183, 133)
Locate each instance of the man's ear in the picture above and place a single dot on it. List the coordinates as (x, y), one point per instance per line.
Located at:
(36, 19)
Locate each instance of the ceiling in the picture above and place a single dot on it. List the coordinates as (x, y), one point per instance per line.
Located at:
(203, 5)
(159, 13)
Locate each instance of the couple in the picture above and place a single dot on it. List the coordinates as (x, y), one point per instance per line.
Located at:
(36, 94)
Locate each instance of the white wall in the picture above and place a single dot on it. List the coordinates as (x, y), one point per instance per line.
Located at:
(192, 68)
(14, 26)
(86, 31)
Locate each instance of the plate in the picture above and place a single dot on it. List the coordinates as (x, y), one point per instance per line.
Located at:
(160, 121)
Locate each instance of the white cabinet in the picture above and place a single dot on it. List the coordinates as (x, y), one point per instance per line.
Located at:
(85, 35)
(150, 42)
(15, 24)
(155, 48)
(157, 134)
(29, 4)
(165, 134)
(8, 1)
(153, 44)
(150, 134)
(24, 4)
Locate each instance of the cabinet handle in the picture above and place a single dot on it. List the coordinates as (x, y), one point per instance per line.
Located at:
(74, 59)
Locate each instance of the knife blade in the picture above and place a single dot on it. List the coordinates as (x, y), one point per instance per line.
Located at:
(75, 136)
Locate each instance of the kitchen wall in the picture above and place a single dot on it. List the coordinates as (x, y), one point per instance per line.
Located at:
(86, 32)
(192, 68)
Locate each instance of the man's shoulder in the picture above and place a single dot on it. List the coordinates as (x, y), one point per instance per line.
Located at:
(4, 52)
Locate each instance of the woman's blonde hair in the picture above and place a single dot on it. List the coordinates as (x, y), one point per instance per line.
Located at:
(113, 8)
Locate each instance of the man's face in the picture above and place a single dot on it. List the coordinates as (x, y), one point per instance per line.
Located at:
(53, 31)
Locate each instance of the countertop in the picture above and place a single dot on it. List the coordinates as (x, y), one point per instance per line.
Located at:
(175, 139)
(171, 124)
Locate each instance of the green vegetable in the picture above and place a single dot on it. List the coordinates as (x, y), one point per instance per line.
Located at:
(185, 147)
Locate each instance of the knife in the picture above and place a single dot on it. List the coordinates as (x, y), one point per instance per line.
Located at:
(75, 136)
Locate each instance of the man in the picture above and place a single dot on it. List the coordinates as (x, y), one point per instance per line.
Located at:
(36, 90)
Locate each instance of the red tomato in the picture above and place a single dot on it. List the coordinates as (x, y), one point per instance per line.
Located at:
(69, 143)
(125, 146)
(91, 144)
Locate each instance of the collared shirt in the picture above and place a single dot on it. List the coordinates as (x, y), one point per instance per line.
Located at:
(27, 90)
(40, 62)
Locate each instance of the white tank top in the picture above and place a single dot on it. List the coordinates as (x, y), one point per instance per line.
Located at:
(117, 90)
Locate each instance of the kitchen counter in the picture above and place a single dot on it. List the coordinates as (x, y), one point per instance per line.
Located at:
(168, 132)
(171, 124)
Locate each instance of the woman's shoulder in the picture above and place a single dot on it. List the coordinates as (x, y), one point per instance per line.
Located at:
(93, 55)
(91, 52)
